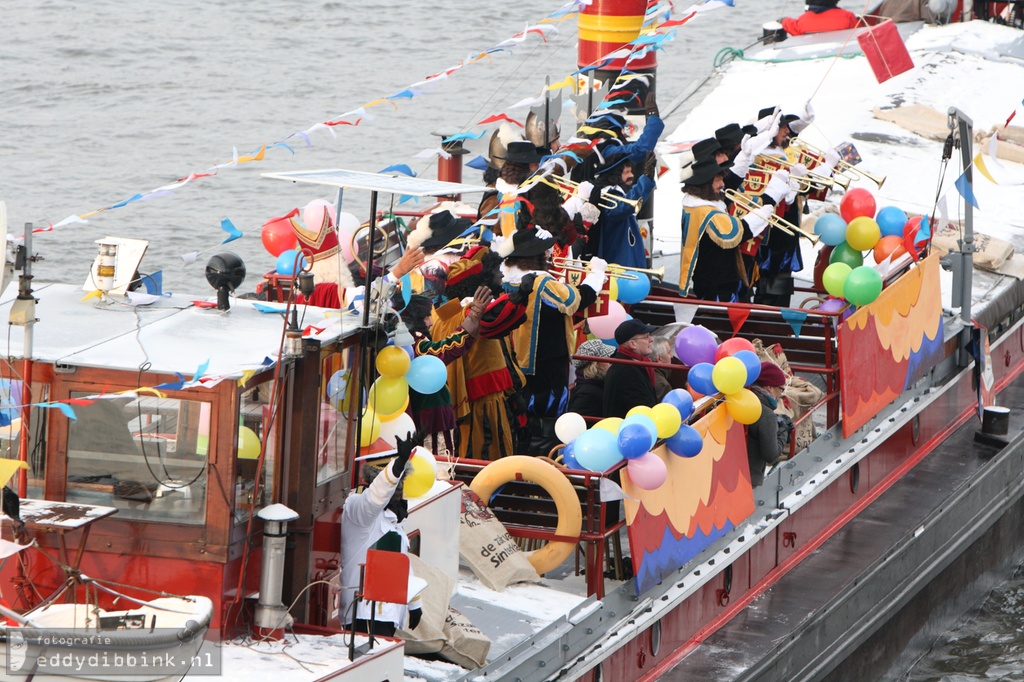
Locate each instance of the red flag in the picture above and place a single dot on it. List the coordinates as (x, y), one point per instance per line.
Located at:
(738, 317)
(499, 117)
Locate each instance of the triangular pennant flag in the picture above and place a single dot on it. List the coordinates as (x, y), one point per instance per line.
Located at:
(966, 191)
(8, 467)
(795, 318)
(399, 168)
(479, 163)
(979, 163)
(738, 317)
(229, 227)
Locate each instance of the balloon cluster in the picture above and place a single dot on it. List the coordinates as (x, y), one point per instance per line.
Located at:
(728, 368)
(856, 229)
(614, 439)
(278, 234)
(385, 415)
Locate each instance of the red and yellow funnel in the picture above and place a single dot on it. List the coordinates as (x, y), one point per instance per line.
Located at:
(607, 25)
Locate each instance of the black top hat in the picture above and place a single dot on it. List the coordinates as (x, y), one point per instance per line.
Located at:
(730, 135)
(526, 243)
(705, 171)
(444, 227)
(522, 151)
(785, 120)
(706, 149)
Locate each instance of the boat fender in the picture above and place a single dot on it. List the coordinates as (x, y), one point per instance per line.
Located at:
(543, 473)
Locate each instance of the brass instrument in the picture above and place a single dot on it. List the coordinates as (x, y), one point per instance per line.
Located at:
(381, 245)
(743, 201)
(566, 187)
(613, 270)
(805, 183)
(844, 167)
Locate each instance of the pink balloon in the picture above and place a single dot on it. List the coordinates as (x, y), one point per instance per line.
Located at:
(648, 471)
(316, 215)
(603, 326)
(347, 224)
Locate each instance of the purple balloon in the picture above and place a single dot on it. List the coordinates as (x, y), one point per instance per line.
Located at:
(686, 442)
(634, 440)
(695, 345)
(699, 378)
(751, 362)
(681, 400)
(832, 305)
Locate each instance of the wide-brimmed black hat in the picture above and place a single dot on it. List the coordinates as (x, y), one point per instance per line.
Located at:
(526, 243)
(750, 129)
(785, 120)
(730, 135)
(706, 149)
(705, 171)
(444, 227)
(522, 151)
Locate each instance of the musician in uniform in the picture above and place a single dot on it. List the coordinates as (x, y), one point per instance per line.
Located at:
(433, 233)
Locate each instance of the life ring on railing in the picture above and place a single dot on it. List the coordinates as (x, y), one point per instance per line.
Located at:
(543, 473)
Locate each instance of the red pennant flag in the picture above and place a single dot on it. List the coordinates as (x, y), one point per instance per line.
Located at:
(499, 117)
(909, 241)
(738, 317)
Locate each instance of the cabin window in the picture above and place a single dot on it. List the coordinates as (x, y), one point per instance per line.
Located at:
(335, 402)
(255, 414)
(147, 456)
(10, 432)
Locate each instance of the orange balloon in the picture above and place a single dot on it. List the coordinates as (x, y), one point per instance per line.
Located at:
(886, 246)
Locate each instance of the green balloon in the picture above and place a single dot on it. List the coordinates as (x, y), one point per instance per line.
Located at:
(844, 253)
(863, 285)
(834, 277)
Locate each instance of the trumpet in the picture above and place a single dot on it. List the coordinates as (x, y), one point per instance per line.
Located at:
(805, 183)
(614, 270)
(566, 187)
(362, 234)
(743, 201)
(844, 167)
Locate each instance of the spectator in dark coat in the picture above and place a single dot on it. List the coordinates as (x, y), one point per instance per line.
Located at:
(587, 396)
(769, 434)
(626, 386)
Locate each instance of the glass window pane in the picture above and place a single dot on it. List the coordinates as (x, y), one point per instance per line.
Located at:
(253, 420)
(147, 456)
(333, 433)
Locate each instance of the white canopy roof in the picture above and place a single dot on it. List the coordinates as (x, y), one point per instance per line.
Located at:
(378, 182)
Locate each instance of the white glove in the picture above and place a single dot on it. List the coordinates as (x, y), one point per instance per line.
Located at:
(769, 122)
(591, 213)
(584, 190)
(757, 220)
(573, 205)
(750, 147)
(778, 185)
(831, 159)
(797, 170)
(806, 119)
(595, 278)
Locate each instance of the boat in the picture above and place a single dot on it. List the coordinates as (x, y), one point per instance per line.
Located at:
(187, 423)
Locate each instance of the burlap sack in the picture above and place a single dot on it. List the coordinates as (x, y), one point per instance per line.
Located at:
(800, 396)
(429, 636)
(991, 252)
(488, 549)
(465, 644)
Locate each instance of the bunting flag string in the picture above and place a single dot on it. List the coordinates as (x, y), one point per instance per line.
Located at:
(795, 318)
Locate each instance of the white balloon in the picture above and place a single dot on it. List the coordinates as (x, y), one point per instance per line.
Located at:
(401, 426)
(347, 223)
(569, 426)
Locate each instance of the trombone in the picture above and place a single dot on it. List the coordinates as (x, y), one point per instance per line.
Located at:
(614, 270)
(741, 200)
(566, 187)
(844, 166)
(805, 183)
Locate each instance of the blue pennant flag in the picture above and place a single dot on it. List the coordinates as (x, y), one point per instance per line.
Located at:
(966, 191)
(233, 232)
(479, 163)
(795, 318)
(399, 168)
(172, 385)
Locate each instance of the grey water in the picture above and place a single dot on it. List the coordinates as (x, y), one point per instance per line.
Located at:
(102, 100)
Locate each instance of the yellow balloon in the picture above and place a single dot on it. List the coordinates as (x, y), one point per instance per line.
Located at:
(744, 406)
(610, 424)
(388, 394)
(729, 375)
(393, 362)
(641, 409)
(667, 418)
(248, 443)
(369, 430)
(396, 414)
(418, 481)
(613, 288)
(863, 233)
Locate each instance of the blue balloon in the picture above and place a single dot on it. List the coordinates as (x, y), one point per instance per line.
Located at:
(634, 440)
(426, 374)
(596, 450)
(647, 423)
(891, 220)
(699, 378)
(336, 386)
(751, 362)
(569, 457)
(831, 228)
(286, 262)
(681, 400)
(634, 290)
(610, 342)
(686, 442)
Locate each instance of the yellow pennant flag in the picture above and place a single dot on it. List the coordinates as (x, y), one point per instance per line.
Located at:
(93, 294)
(246, 375)
(8, 467)
(980, 165)
(566, 82)
(590, 130)
(258, 157)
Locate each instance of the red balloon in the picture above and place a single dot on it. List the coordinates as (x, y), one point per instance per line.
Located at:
(857, 202)
(731, 347)
(278, 236)
(912, 225)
